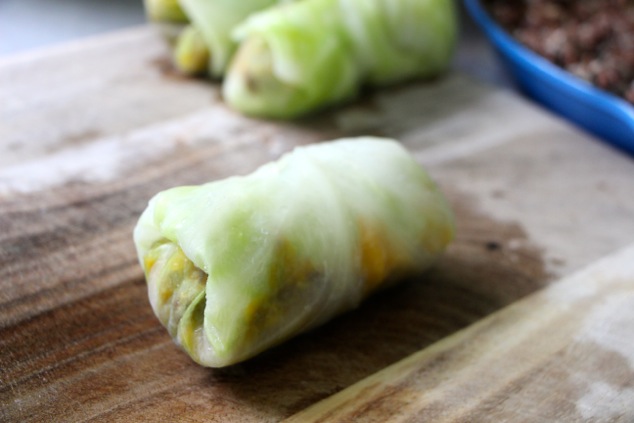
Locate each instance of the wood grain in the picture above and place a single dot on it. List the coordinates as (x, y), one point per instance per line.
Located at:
(94, 130)
(563, 354)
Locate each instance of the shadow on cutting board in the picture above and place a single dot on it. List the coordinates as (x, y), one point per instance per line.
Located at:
(479, 274)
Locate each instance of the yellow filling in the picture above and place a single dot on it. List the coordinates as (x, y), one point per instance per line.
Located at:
(289, 274)
(378, 259)
(444, 235)
(149, 261)
(175, 280)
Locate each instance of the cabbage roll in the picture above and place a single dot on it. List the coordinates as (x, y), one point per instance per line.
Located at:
(236, 266)
(201, 30)
(214, 20)
(191, 55)
(165, 11)
(303, 56)
(168, 18)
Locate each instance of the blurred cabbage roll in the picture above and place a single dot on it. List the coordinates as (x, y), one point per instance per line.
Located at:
(237, 266)
(214, 20)
(200, 30)
(165, 11)
(303, 56)
(168, 17)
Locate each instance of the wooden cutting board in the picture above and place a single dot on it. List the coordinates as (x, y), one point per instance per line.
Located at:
(91, 131)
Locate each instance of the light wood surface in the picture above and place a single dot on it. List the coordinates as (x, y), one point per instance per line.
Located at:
(89, 132)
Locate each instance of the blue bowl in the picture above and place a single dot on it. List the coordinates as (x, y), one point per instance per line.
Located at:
(598, 111)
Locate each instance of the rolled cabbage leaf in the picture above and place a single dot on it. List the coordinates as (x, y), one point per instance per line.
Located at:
(191, 55)
(167, 17)
(305, 55)
(216, 19)
(165, 11)
(236, 266)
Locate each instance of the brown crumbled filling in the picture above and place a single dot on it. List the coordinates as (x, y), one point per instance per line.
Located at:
(593, 39)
